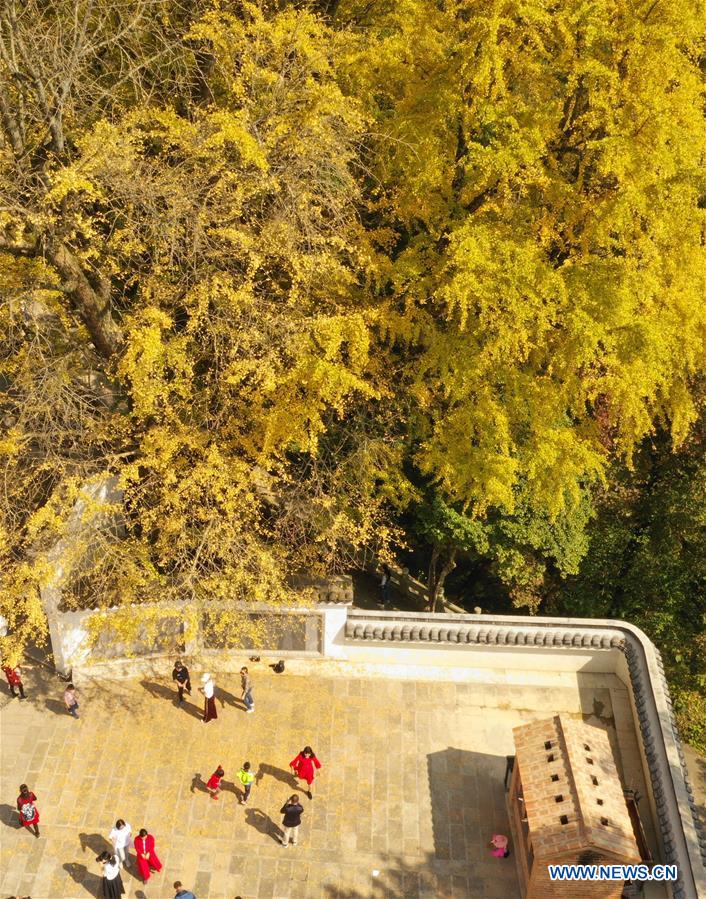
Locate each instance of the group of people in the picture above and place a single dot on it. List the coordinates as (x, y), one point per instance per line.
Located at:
(147, 859)
(182, 678)
(303, 766)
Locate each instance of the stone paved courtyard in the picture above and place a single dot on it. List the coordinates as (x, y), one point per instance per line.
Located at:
(410, 792)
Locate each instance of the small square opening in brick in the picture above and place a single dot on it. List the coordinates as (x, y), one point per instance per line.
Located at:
(564, 819)
(548, 744)
(555, 777)
(559, 798)
(589, 760)
(604, 822)
(594, 780)
(586, 747)
(550, 757)
(599, 801)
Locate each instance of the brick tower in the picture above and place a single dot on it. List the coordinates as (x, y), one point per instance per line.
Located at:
(566, 806)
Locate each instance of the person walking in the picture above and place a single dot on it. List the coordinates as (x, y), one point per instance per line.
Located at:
(13, 673)
(213, 785)
(146, 856)
(246, 687)
(385, 585)
(247, 778)
(209, 705)
(112, 881)
(292, 812)
(29, 814)
(120, 838)
(71, 700)
(180, 675)
(304, 766)
(181, 893)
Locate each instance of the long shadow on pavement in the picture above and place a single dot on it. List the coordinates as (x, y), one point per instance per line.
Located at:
(198, 785)
(256, 818)
(159, 691)
(9, 816)
(55, 706)
(285, 777)
(80, 874)
(96, 842)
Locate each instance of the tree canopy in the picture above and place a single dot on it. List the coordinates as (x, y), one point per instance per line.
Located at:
(284, 269)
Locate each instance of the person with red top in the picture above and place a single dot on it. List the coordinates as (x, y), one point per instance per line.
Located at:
(14, 679)
(303, 767)
(29, 816)
(146, 856)
(214, 782)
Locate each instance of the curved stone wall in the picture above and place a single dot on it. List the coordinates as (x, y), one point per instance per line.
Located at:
(682, 844)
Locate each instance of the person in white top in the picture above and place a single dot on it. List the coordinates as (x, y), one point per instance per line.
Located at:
(112, 882)
(120, 838)
(209, 706)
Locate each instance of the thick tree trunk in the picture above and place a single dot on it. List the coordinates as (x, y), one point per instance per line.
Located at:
(436, 581)
(90, 297)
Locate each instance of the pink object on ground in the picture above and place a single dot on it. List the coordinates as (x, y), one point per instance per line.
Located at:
(500, 843)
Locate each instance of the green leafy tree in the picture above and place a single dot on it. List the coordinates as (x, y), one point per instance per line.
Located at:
(647, 564)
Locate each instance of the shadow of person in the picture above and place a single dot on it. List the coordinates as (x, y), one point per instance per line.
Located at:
(159, 691)
(285, 777)
(9, 816)
(228, 786)
(92, 883)
(263, 824)
(197, 784)
(55, 706)
(227, 698)
(95, 842)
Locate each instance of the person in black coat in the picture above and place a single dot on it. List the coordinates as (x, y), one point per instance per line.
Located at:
(292, 812)
(180, 675)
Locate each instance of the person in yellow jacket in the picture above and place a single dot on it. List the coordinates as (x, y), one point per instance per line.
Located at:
(247, 778)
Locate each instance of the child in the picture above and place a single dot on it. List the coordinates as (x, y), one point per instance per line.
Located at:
(71, 700)
(214, 782)
(13, 673)
(246, 777)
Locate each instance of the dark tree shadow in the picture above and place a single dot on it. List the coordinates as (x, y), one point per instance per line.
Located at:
(401, 879)
(285, 777)
(55, 706)
(80, 874)
(95, 842)
(9, 816)
(198, 785)
(597, 709)
(263, 824)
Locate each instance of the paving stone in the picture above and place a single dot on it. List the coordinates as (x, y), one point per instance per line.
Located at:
(411, 785)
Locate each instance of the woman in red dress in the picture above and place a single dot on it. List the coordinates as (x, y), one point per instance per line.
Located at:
(303, 767)
(146, 856)
(29, 815)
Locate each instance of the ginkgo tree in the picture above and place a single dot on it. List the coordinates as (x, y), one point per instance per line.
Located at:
(186, 311)
(275, 266)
